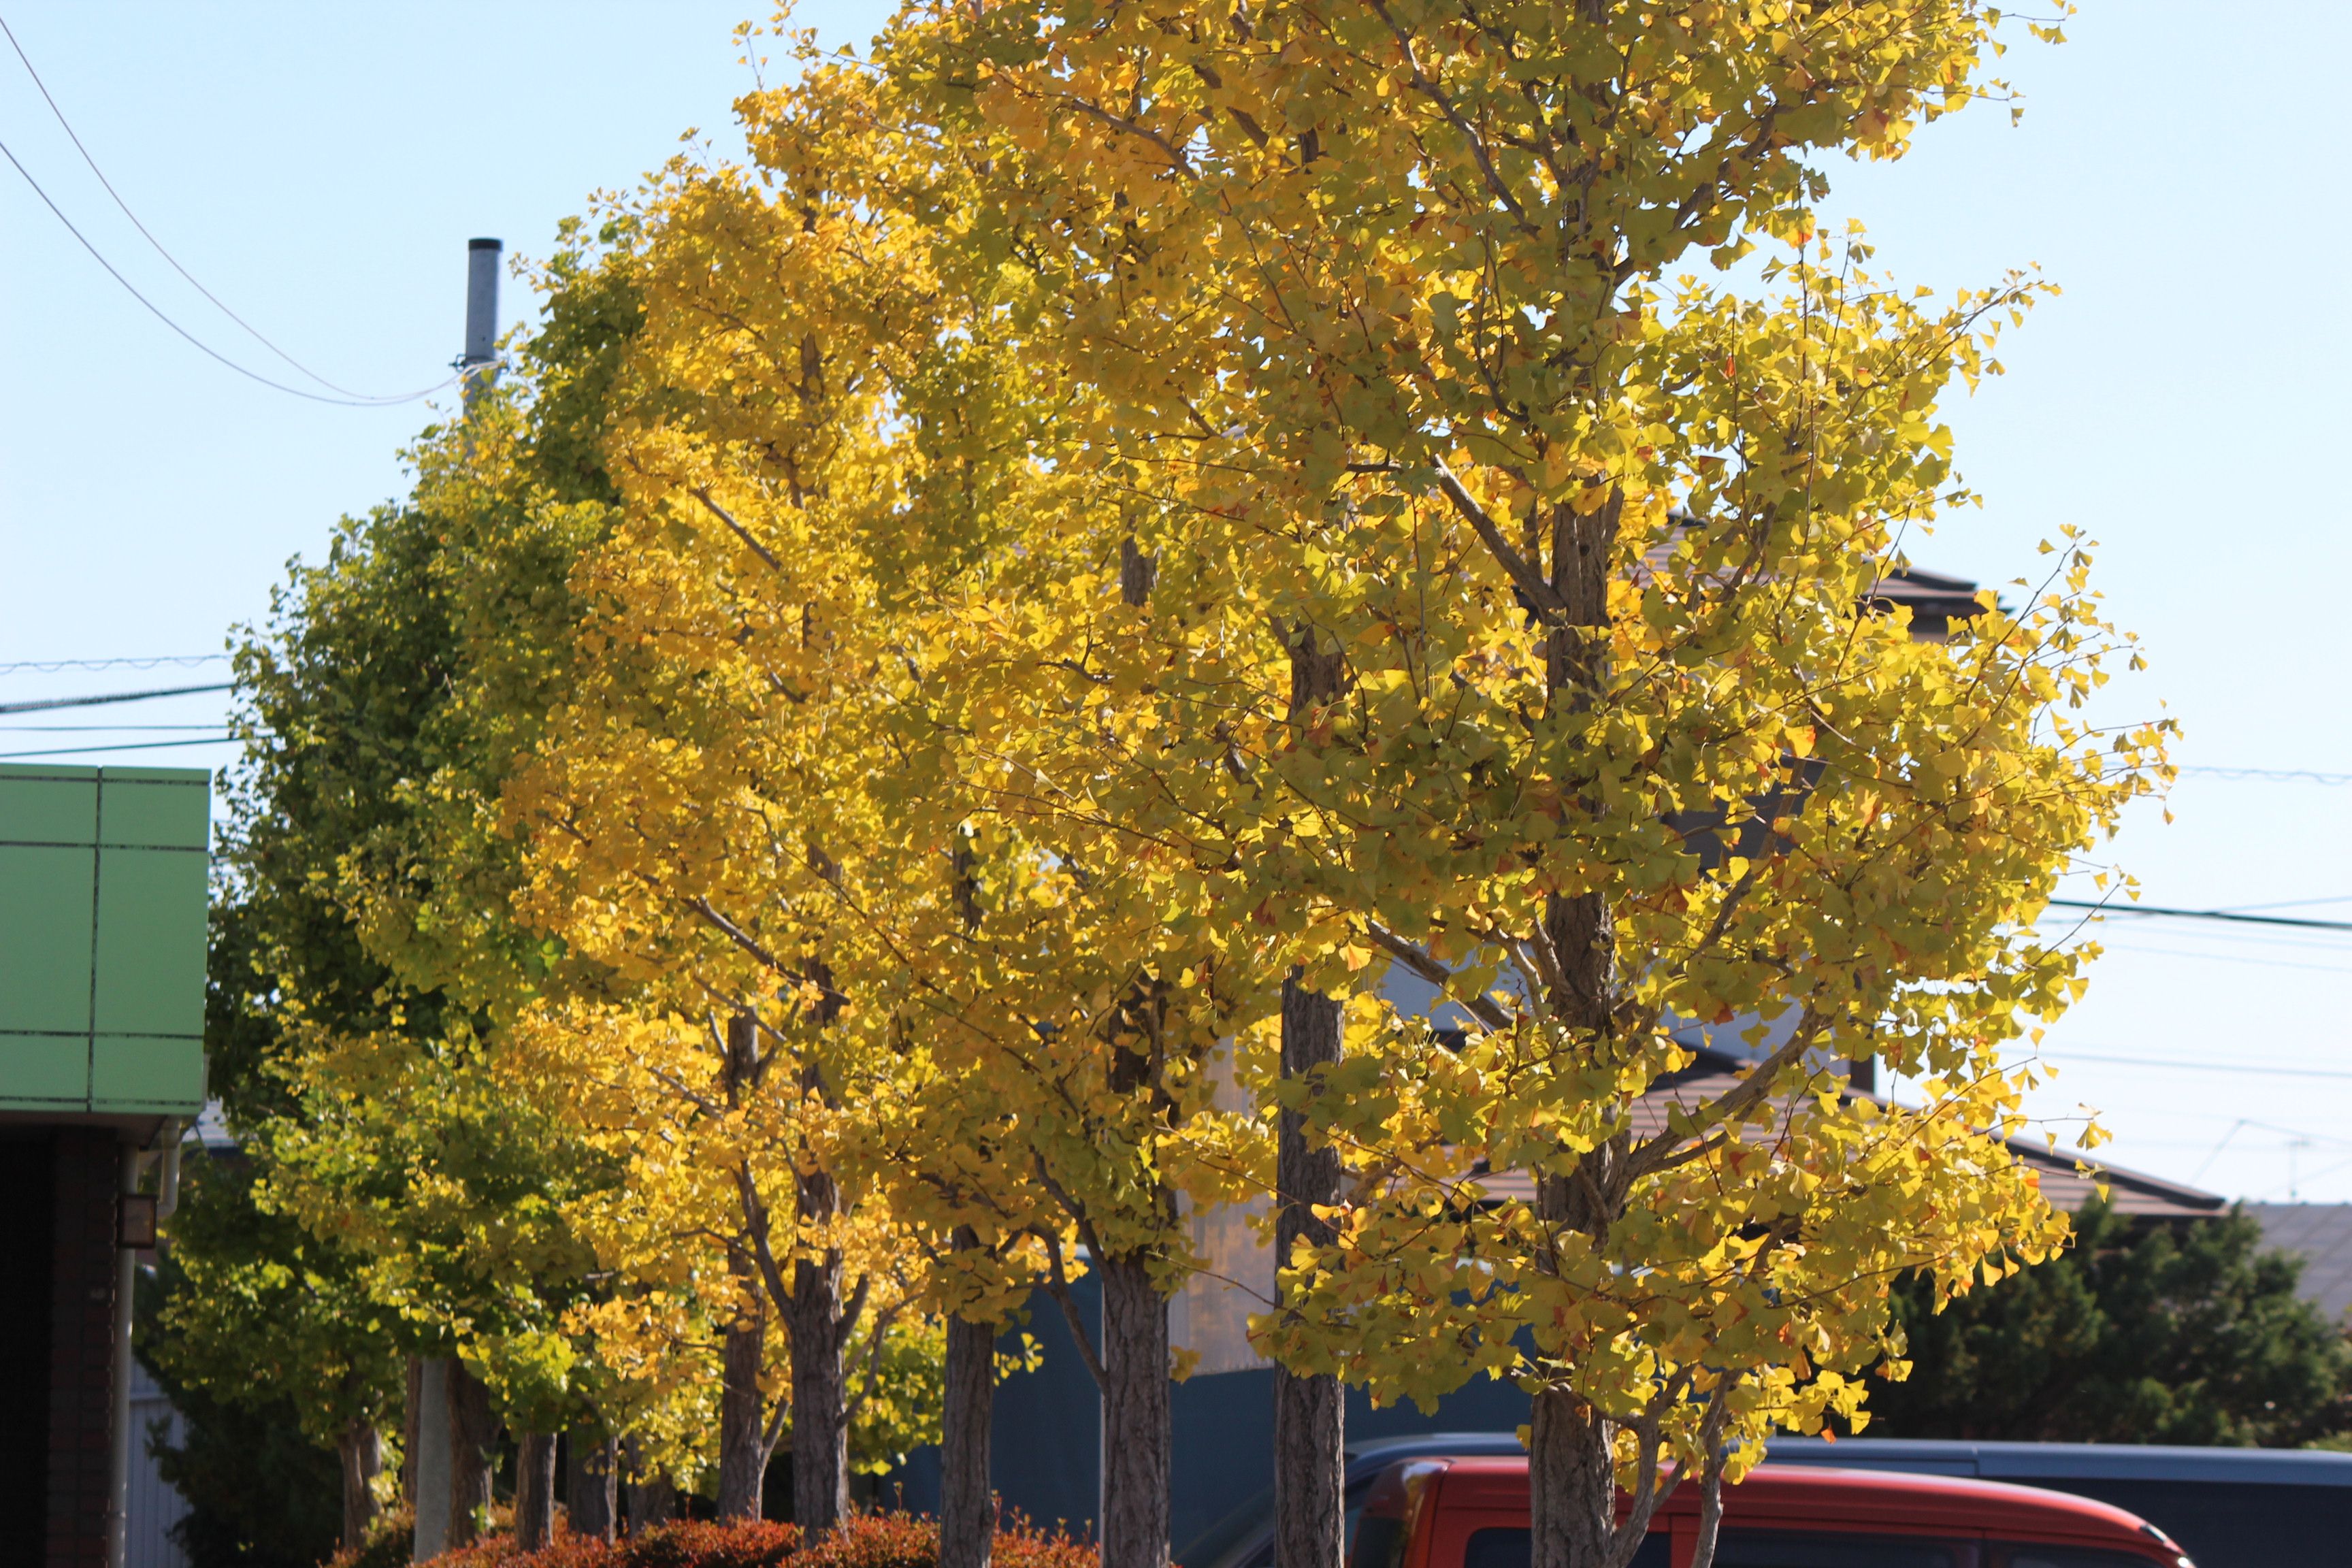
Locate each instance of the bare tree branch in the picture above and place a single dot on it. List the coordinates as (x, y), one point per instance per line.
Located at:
(756, 548)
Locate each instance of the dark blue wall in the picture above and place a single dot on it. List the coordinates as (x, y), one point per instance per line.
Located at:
(1046, 1437)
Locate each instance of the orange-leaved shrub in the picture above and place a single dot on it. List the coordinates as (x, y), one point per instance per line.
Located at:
(864, 1540)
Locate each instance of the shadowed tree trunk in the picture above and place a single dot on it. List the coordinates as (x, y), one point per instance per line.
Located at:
(592, 1484)
(652, 1496)
(1571, 1468)
(743, 1448)
(743, 1444)
(819, 1331)
(473, 1449)
(967, 1511)
(360, 1447)
(534, 1495)
(1135, 1416)
(1309, 1413)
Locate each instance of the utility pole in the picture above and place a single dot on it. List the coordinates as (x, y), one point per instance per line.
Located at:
(479, 362)
(431, 1448)
(118, 1467)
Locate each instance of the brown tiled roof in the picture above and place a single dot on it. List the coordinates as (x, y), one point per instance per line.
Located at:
(2322, 1235)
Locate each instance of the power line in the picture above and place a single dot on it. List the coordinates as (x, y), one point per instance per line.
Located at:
(49, 702)
(2229, 915)
(134, 746)
(197, 343)
(71, 135)
(2274, 775)
(2061, 1058)
(52, 665)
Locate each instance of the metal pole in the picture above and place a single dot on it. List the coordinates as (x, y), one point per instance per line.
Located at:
(480, 358)
(118, 1463)
(431, 1460)
(430, 1454)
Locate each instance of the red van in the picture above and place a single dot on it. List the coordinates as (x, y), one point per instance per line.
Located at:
(1472, 1512)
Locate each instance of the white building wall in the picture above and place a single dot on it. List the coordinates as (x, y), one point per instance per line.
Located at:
(154, 1508)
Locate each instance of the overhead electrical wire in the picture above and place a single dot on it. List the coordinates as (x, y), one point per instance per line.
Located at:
(345, 399)
(2060, 1057)
(52, 665)
(2271, 775)
(49, 702)
(2231, 916)
(130, 746)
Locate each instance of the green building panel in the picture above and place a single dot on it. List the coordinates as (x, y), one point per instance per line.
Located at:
(102, 905)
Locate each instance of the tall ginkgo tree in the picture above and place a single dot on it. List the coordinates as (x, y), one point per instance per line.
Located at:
(698, 810)
(849, 763)
(1373, 300)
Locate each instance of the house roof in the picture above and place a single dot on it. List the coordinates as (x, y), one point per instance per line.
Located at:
(1934, 600)
(2322, 1233)
(2130, 1193)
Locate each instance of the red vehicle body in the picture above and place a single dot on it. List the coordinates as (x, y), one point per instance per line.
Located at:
(1472, 1513)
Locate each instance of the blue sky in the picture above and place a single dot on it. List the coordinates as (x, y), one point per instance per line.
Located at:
(321, 168)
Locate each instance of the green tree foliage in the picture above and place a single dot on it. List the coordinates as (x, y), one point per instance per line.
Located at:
(394, 681)
(387, 1199)
(2164, 1334)
(270, 1353)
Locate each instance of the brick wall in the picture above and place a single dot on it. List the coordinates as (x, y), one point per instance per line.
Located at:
(83, 1271)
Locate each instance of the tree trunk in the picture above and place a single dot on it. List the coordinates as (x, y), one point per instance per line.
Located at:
(473, 1451)
(534, 1495)
(1309, 1413)
(1571, 1483)
(967, 1509)
(820, 1403)
(1571, 1466)
(591, 1489)
(1135, 1419)
(652, 1496)
(743, 1444)
(1710, 1515)
(362, 1450)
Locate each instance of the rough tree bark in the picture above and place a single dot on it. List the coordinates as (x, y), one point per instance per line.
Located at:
(473, 1447)
(1135, 1416)
(1133, 1366)
(360, 1447)
(820, 1331)
(1571, 1470)
(742, 1444)
(653, 1496)
(534, 1491)
(742, 1441)
(1309, 1413)
(592, 1484)
(967, 1509)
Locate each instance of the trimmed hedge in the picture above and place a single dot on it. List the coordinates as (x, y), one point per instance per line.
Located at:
(864, 1540)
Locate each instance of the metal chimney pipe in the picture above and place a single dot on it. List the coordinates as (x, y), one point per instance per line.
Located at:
(482, 256)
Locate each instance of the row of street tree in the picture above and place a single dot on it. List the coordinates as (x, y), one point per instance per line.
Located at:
(1114, 531)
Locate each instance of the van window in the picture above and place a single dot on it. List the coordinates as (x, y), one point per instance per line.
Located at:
(1784, 1548)
(1516, 1549)
(2033, 1555)
(1379, 1544)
